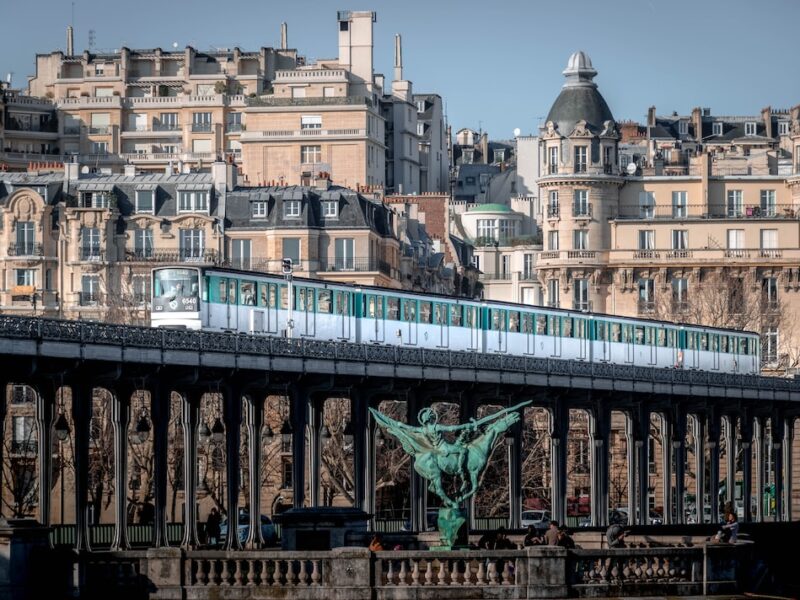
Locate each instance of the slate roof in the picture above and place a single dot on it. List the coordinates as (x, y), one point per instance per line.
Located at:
(579, 104)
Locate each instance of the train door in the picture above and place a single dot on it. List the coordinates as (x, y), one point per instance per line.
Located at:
(409, 309)
(305, 309)
(528, 324)
(554, 329)
(603, 336)
(499, 334)
(472, 321)
(692, 344)
(232, 307)
(440, 323)
(373, 312)
(270, 300)
(582, 337)
(651, 338)
(342, 309)
(714, 350)
(627, 342)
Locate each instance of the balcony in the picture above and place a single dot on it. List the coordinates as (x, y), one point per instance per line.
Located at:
(636, 212)
(193, 255)
(646, 255)
(72, 130)
(201, 127)
(98, 102)
(273, 101)
(15, 125)
(553, 211)
(100, 130)
(234, 128)
(303, 134)
(150, 157)
(91, 299)
(646, 307)
(502, 276)
(582, 210)
(581, 254)
(315, 75)
(25, 249)
(91, 254)
(770, 253)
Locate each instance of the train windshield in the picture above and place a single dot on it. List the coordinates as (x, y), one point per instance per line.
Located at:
(176, 290)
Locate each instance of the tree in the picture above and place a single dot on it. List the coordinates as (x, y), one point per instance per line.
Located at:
(20, 493)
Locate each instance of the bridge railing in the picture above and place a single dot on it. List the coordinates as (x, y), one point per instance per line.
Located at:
(239, 343)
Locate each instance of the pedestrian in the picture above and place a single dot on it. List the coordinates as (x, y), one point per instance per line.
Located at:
(213, 527)
(615, 536)
(564, 538)
(376, 545)
(730, 531)
(532, 537)
(501, 540)
(487, 541)
(551, 535)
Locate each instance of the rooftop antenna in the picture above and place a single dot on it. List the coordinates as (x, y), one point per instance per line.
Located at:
(91, 39)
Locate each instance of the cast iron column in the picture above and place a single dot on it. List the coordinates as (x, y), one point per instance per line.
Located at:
(232, 414)
(515, 475)
(559, 429)
(746, 429)
(418, 488)
(120, 419)
(730, 458)
(788, 438)
(777, 435)
(314, 448)
(255, 422)
(642, 457)
(45, 402)
(190, 417)
(362, 446)
(666, 467)
(713, 424)
(700, 466)
(160, 398)
(630, 447)
(679, 445)
(599, 432)
(299, 417)
(81, 416)
(760, 442)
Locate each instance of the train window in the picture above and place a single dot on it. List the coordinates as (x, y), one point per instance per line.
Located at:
(566, 327)
(513, 321)
(714, 342)
(541, 324)
(393, 309)
(469, 316)
(527, 323)
(439, 313)
(342, 303)
(627, 334)
(648, 336)
(232, 291)
(223, 290)
(691, 338)
(409, 310)
(455, 315)
(616, 332)
(600, 330)
(273, 295)
(671, 338)
(580, 329)
(424, 312)
(703, 341)
(370, 302)
(378, 307)
(248, 293)
(262, 295)
(732, 344)
(723, 344)
(553, 325)
(498, 320)
(307, 302)
(284, 297)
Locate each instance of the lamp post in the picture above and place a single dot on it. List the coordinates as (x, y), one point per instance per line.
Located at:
(286, 266)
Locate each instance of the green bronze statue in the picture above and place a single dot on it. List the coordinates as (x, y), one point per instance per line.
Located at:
(465, 458)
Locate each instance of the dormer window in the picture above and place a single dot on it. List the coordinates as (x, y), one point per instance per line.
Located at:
(330, 209)
(467, 156)
(683, 127)
(291, 209)
(259, 210)
(716, 129)
(420, 106)
(499, 156)
(750, 128)
(783, 128)
(193, 201)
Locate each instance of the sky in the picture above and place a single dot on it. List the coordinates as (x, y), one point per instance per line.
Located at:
(496, 64)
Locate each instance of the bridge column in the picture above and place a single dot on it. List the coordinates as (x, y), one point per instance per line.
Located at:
(788, 439)
(599, 433)
(160, 399)
(700, 465)
(666, 467)
(299, 399)
(643, 460)
(255, 422)
(45, 412)
(679, 446)
(468, 409)
(730, 458)
(190, 418)
(713, 425)
(515, 476)
(120, 420)
(81, 416)
(746, 432)
(630, 451)
(363, 446)
(3, 401)
(232, 415)
(314, 447)
(760, 467)
(559, 429)
(777, 431)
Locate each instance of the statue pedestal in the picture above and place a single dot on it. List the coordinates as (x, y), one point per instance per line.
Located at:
(452, 529)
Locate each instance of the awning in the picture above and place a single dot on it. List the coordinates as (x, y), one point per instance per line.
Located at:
(95, 187)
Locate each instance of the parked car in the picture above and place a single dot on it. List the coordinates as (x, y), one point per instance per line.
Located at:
(267, 528)
(585, 522)
(540, 519)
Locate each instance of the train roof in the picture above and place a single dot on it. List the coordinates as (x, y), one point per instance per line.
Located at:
(527, 307)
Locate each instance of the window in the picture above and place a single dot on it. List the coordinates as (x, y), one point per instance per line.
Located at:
(310, 154)
(140, 286)
(291, 209)
(527, 266)
(552, 240)
(23, 437)
(680, 239)
(683, 127)
(201, 122)
(421, 130)
(750, 128)
(647, 239)
(552, 205)
(202, 146)
(680, 294)
(647, 290)
(25, 277)
(580, 203)
(580, 159)
(90, 290)
(100, 123)
(783, 127)
(311, 122)
(716, 129)
(291, 249)
(735, 203)
(768, 203)
(552, 160)
(420, 106)
(193, 201)
(769, 289)
(507, 229)
(580, 300)
(736, 295)
(240, 254)
(498, 156)
(486, 229)
(99, 147)
(769, 239)
(234, 121)
(259, 209)
(286, 474)
(145, 201)
(167, 122)
(192, 244)
(343, 248)
(647, 204)
(769, 345)
(735, 239)
(25, 238)
(679, 206)
(99, 70)
(505, 265)
(90, 243)
(330, 209)
(143, 243)
(552, 293)
(580, 239)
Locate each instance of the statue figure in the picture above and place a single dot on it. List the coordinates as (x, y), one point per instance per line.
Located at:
(464, 458)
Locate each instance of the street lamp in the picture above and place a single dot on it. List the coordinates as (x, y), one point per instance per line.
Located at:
(204, 433)
(143, 429)
(217, 431)
(62, 427)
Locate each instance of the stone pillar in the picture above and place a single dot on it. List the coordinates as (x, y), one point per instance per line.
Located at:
(361, 446)
(315, 410)
(160, 397)
(515, 476)
(45, 402)
(746, 428)
(760, 468)
(81, 416)
(730, 458)
(666, 467)
(700, 465)
(120, 420)
(370, 502)
(232, 415)
(559, 430)
(190, 417)
(299, 416)
(255, 422)
(713, 466)
(599, 433)
(788, 439)
(777, 431)
(679, 446)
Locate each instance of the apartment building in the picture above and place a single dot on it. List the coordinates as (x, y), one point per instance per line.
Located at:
(707, 209)
(433, 156)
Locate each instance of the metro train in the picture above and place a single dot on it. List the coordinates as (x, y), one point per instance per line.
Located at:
(218, 299)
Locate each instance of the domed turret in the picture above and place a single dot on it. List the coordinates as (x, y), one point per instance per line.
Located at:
(579, 99)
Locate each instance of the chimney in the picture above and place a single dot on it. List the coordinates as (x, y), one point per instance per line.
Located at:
(398, 58)
(70, 40)
(130, 171)
(284, 36)
(766, 114)
(651, 116)
(697, 123)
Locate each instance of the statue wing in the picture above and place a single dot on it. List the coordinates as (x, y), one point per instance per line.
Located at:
(413, 440)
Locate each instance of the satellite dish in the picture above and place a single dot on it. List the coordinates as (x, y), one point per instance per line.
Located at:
(517, 131)
(174, 44)
(85, 170)
(631, 168)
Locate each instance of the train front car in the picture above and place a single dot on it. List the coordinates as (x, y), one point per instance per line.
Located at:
(176, 300)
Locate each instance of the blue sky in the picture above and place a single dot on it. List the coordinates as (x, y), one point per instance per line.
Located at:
(497, 64)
